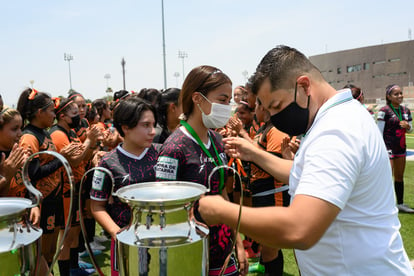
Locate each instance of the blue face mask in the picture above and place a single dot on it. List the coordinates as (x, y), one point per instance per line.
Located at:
(293, 119)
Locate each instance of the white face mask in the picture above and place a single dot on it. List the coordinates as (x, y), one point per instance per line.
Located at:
(218, 117)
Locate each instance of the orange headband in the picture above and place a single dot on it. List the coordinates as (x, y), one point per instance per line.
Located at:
(63, 107)
(32, 94)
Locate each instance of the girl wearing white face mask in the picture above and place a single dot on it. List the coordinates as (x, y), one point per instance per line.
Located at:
(193, 151)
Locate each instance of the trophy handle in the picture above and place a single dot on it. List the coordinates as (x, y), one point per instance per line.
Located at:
(81, 218)
(38, 195)
(240, 209)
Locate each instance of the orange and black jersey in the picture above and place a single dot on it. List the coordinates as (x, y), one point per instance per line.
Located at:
(82, 130)
(254, 127)
(61, 138)
(44, 169)
(270, 139)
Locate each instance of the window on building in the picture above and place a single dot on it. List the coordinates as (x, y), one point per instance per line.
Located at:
(393, 59)
(354, 68)
(379, 62)
(378, 76)
(339, 70)
(396, 74)
(366, 66)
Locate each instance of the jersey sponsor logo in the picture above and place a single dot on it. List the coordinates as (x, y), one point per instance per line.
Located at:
(381, 115)
(166, 168)
(125, 178)
(98, 180)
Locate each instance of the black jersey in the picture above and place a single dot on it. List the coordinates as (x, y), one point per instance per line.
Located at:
(394, 135)
(127, 169)
(181, 158)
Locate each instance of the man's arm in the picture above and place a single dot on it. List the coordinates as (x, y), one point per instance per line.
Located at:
(300, 225)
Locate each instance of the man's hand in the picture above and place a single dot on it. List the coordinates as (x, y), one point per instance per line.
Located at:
(240, 148)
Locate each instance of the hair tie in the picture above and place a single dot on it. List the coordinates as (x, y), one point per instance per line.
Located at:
(56, 101)
(63, 107)
(124, 96)
(75, 95)
(241, 88)
(244, 103)
(32, 94)
(389, 90)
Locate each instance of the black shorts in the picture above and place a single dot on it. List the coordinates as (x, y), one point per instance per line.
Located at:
(266, 184)
(51, 214)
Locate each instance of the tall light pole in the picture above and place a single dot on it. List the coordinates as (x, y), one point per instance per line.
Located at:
(245, 74)
(68, 58)
(107, 77)
(163, 45)
(108, 89)
(123, 70)
(176, 75)
(182, 55)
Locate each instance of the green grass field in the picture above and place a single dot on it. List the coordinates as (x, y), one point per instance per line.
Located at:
(407, 228)
(410, 140)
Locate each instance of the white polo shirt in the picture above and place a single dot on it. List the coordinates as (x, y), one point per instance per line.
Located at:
(343, 160)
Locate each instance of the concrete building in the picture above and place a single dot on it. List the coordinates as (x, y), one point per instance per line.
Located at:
(371, 68)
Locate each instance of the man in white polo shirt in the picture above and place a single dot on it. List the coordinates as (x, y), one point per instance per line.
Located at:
(342, 219)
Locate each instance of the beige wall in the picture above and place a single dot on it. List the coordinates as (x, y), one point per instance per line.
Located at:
(371, 68)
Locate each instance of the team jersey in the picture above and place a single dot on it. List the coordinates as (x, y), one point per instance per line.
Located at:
(181, 158)
(254, 127)
(61, 138)
(37, 140)
(394, 135)
(82, 129)
(127, 169)
(268, 138)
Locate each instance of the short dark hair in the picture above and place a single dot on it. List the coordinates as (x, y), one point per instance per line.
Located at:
(100, 105)
(151, 95)
(168, 96)
(356, 91)
(128, 113)
(91, 113)
(121, 94)
(388, 91)
(281, 66)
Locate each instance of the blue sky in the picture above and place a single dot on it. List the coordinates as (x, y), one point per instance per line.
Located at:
(231, 35)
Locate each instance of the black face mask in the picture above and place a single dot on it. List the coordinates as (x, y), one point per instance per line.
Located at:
(75, 121)
(293, 119)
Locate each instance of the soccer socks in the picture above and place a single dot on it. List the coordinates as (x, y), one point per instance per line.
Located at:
(64, 267)
(275, 266)
(399, 191)
(74, 258)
